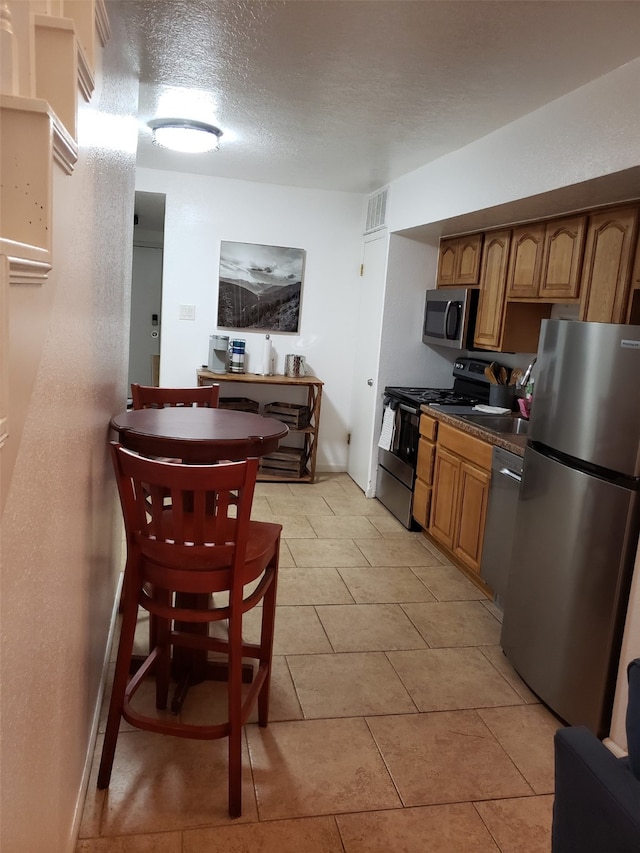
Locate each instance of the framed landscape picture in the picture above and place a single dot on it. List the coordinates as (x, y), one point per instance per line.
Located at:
(260, 287)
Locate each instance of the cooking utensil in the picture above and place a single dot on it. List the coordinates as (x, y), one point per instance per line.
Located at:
(502, 376)
(488, 372)
(516, 374)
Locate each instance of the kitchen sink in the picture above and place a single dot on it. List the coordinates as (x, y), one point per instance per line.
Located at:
(498, 423)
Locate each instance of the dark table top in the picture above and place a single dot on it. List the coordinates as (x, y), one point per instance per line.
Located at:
(198, 435)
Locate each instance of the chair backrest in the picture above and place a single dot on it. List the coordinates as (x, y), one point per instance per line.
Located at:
(197, 542)
(151, 397)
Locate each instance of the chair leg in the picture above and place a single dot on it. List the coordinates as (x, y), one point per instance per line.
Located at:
(163, 661)
(120, 679)
(266, 646)
(235, 716)
(235, 770)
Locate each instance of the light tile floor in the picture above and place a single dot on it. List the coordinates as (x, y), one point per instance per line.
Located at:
(397, 725)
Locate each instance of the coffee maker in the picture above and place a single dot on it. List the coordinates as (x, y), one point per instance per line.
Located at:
(218, 353)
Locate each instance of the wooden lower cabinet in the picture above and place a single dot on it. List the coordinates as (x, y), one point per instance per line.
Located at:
(472, 514)
(424, 470)
(460, 492)
(444, 503)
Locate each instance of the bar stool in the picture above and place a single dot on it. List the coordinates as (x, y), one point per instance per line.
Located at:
(203, 544)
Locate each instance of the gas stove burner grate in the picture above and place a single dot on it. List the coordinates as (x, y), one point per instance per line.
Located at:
(437, 396)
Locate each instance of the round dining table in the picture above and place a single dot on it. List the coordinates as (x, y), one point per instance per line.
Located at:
(198, 435)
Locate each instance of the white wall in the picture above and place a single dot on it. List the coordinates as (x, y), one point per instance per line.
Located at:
(590, 132)
(202, 211)
(60, 556)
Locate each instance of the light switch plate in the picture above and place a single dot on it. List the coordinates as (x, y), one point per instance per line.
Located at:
(187, 312)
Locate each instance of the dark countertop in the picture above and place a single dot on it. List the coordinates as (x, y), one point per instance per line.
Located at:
(515, 443)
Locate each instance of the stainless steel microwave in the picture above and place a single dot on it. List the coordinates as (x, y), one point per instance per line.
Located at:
(450, 317)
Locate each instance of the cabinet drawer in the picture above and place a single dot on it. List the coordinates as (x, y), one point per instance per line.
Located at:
(421, 503)
(426, 459)
(428, 427)
(467, 446)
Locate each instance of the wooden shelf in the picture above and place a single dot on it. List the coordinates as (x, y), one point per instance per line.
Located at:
(313, 387)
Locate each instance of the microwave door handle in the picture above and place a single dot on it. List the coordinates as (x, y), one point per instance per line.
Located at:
(447, 312)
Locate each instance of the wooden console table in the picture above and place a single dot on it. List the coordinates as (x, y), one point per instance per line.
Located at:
(313, 387)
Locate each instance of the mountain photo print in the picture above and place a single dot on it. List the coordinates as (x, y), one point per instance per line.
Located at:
(260, 287)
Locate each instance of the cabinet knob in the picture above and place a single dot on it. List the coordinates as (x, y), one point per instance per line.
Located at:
(370, 382)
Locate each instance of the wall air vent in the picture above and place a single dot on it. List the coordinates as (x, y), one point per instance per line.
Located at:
(377, 211)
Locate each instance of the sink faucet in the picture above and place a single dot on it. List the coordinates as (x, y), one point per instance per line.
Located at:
(527, 374)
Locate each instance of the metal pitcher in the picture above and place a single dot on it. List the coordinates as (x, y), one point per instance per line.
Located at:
(294, 365)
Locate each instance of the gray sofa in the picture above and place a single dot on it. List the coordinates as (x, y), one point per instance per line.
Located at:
(597, 796)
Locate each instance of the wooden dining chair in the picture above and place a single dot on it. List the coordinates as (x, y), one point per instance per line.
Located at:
(152, 397)
(204, 544)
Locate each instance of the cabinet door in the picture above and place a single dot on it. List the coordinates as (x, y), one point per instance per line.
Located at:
(424, 475)
(421, 503)
(563, 251)
(525, 261)
(447, 262)
(493, 280)
(444, 500)
(607, 265)
(472, 513)
(468, 255)
(633, 309)
(426, 459)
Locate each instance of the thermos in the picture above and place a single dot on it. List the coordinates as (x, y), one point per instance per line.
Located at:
(236, 351)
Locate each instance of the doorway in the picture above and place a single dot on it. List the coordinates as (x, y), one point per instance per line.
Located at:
(146, 288)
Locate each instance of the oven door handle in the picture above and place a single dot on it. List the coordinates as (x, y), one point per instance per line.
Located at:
(409, 409)
(395, 444)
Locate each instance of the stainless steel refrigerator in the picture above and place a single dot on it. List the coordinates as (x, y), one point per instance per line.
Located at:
(577, 522)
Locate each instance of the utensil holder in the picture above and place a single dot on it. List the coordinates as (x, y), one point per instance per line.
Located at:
(502, 395)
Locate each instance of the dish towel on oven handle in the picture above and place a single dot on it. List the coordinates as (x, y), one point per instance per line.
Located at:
(388, 426)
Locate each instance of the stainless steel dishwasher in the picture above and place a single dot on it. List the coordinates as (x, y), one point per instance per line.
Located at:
(506, 474)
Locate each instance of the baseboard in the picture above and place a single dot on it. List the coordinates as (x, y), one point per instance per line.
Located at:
(330, 469)
(86, 773)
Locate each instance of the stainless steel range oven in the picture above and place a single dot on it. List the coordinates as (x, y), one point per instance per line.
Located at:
(400, 434)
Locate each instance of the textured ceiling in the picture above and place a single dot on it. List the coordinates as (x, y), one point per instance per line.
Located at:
(350, 94)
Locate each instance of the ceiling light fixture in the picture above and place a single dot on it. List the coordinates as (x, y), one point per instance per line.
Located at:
(181, 134)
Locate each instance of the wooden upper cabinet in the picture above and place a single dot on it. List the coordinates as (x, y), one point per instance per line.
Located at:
(546, 260)
(459, 261)
(608, 259)
(447, 262)
(633, 311)
(468, 259)
(493, 282)
(525, 261)
(562, 262)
